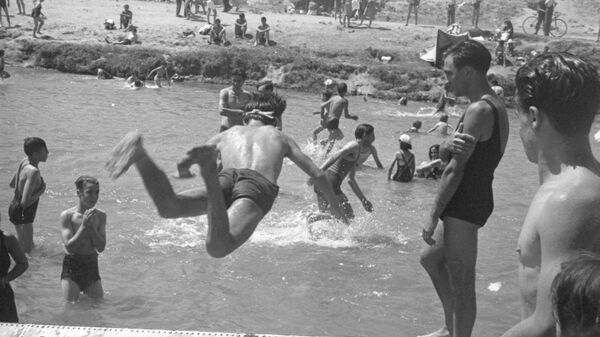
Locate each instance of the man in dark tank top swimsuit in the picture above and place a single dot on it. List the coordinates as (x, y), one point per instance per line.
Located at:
(465, 199)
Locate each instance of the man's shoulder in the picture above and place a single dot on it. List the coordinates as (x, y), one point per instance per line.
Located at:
(68, 213)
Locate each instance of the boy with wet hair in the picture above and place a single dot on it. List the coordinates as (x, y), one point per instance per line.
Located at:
(236, 198)
(29, 187)
(416, 126)
(444, 129)
(83, 232)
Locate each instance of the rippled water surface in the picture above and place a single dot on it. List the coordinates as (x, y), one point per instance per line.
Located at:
(361, 281)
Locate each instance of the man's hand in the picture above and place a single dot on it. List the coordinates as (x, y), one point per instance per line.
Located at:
(462, 143)
(367, 205)
(89, 218)
(428, 230)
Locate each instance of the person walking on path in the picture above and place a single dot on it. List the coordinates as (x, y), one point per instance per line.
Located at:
(464, 200)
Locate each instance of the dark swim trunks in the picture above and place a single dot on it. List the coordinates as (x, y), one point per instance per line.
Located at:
(20, 216)
(247, 183)
(333, 124)
(81, 269)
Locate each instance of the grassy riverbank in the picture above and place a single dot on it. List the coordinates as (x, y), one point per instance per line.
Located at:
(309, 48)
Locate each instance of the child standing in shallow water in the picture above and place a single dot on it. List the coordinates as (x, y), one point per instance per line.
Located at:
(83, 236)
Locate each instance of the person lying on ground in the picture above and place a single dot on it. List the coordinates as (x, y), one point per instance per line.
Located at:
(238, 197)
(130, 38)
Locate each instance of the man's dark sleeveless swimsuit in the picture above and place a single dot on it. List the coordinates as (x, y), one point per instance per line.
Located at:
(473, 201)
(8, 309)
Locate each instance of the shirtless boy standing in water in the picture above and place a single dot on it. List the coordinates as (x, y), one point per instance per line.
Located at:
(160, 73)
(237, 198)
(558, 96)
(232, 101)
(83, 236)
(335, 106)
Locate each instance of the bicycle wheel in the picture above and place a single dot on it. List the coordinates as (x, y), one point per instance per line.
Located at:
(529, 24)
(559, 28)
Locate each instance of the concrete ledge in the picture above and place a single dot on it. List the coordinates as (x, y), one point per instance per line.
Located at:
(35, 330)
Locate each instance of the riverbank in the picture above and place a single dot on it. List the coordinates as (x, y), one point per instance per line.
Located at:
(309, 48)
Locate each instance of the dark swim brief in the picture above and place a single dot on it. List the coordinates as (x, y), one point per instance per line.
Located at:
(247, 183)
(333, 124)
(81, 269)
(25, 216)
(475, 209)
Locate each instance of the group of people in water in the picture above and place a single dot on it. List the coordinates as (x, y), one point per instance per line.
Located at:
(557, 97)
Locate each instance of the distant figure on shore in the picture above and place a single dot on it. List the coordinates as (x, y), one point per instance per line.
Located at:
(442, 127)
(38, 18)
(348, 12)
(211, 9)
(562, 219)
(241, 26)
(451, 12)
(159, 74)
(433, 168)
(102, 74)
(10, 249)
(3, 73)
(83, 232)
(21, 7)
(126, 17)
(343, 164)
(550, 5)
(404, 162)
(476, 11)
(232, 101)
(370, 12)
(262, 33)
(576, 296)
(238, 197)
(336, 106)
(444, 99)
(541, 12)
(130, 38)
(29, 187)
(3, 5)
(464, 200)
(416, 127)
(178, 4)
(413, 5)
(217, 34)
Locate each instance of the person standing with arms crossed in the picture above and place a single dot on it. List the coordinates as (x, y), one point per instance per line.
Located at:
(464, 200)
(29, 186)
(558, 96)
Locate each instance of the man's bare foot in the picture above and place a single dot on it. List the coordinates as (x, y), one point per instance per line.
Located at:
(205, 156)
(126, 153)
(443, 332)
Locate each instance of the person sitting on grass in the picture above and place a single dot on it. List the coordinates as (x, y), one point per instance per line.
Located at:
(433, 168)
(38, 18)
(262, 33)
(126, 17)
(217, 34)
(128, 39)
(241, 25)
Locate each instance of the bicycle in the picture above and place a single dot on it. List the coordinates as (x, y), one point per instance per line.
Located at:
(558, 27)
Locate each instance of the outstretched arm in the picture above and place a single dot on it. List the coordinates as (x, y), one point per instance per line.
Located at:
(346, 113)
(349, 148)
(391, 169)
(433, 128)
(376, 157)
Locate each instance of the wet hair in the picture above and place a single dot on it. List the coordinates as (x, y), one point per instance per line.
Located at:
(470, 53)
(263, 19)
(342, 88)
(33, 144)
(444, 118)
(565, 87)
(508, 24)
(126, 6)
(82, 180)
(239, 72)
(576, 296)
(265, 101)
(363, 130)
(326, 95)
(217, 21)
(433, 147)
(138, 83)
(405, 146)
(242, 16)
(417, 124)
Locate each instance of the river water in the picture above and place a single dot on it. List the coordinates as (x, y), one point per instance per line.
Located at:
(361, 281)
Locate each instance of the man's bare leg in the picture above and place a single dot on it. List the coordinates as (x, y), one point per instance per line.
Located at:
(25, 236)
(130, 151)
(229, 228)
(432, 259)
(460, 252)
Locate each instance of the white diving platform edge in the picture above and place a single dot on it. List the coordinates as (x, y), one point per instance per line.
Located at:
(39, 330)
